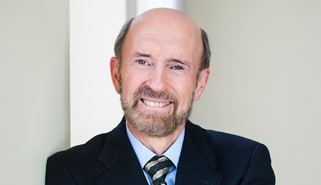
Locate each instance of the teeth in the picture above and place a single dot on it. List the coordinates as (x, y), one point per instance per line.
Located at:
(154, 104)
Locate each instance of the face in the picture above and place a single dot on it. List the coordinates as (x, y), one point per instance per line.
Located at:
(157, 77)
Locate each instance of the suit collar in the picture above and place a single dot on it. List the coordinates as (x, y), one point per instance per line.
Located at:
(197, 163)
(120, 163)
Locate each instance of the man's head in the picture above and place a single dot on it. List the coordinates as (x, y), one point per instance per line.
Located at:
(161, 67)
(206, 53)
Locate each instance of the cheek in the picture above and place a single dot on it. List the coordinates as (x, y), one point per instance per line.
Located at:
(130, 82)
(184, 91)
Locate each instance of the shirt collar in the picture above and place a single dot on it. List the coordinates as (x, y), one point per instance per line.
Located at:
(144, 154)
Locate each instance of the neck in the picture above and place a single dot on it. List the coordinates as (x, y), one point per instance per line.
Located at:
(158, 145)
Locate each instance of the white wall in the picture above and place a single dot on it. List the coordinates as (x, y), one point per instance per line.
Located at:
(94, 104)
(266, 80)
(34, 111)
(143, 5)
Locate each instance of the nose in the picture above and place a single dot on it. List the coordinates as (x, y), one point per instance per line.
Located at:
(158, 78)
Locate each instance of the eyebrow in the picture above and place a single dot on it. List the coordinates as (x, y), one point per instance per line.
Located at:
(140, 54)
(179, 61)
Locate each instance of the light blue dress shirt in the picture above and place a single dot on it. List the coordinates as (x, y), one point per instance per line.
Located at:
(144, 155)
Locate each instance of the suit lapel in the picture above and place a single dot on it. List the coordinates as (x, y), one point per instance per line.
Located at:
(197, 164)
(120, 161)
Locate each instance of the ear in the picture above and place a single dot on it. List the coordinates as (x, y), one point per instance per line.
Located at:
(115, 76)
(201, 83)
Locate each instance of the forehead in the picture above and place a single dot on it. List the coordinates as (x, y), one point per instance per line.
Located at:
(169, 32)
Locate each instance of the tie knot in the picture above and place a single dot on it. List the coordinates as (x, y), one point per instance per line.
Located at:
(157, 167)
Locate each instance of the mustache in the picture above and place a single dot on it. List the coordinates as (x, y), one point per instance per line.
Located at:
(147, 91)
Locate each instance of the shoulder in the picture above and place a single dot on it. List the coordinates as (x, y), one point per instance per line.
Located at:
(71, 166)
(228, 140)
(220, 139)
(228, 147)
(86, 150)
(82, 163)
(242, 158)
(92, 148)
(237, 157)
(240, 148)
(77, 158)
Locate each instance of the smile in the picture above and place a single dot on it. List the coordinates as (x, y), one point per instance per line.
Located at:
(155, 104)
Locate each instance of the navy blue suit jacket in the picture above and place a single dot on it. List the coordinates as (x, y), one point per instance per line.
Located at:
(207, 158)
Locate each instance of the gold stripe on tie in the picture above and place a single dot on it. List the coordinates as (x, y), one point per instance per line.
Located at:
(158, 167)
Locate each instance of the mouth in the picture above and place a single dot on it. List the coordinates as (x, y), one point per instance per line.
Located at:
(155, 104)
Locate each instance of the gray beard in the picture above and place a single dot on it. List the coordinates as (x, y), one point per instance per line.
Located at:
(152, 123)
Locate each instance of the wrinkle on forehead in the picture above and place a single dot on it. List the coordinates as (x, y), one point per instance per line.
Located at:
(170, 24)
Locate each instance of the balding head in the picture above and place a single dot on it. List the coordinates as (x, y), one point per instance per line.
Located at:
(170, 22)
(166, 19)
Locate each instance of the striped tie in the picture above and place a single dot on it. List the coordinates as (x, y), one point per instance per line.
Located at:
(158, 167)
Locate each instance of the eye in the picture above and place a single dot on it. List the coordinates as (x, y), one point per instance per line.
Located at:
(142, 64)
(178, 68)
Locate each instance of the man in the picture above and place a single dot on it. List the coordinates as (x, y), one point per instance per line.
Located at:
(161, 66)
